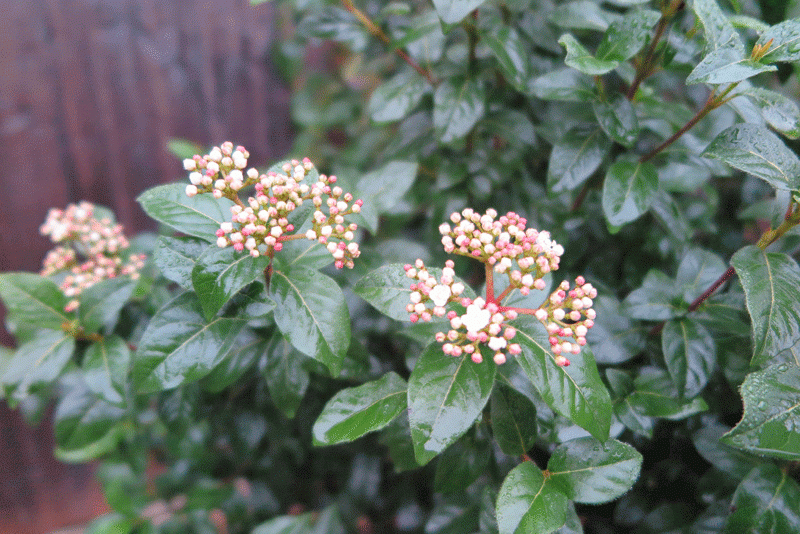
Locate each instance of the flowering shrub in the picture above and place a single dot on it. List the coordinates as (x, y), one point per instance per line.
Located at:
(246, 382)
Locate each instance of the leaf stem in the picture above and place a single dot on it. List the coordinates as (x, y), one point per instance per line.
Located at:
(489, 282)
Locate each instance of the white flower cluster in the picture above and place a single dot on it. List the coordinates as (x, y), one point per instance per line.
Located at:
(220, 172)
(98, 241)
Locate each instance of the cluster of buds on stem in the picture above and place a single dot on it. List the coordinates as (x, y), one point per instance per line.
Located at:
(92, 251)
(525, 256)
(262, 225)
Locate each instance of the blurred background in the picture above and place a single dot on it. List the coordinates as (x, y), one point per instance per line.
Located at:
(91, 91)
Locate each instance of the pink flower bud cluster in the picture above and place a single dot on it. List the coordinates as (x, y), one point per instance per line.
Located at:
(263, 222)
(98, 241)
(568, 315)
(482, 322)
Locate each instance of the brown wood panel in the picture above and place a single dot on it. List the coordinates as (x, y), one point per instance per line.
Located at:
(90, 92)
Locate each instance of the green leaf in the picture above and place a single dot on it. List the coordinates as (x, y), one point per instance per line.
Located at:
(575, 391)
(383, 188)
(457, 106)
(785, 45)
(180, 346)
(303, 252)
(757, 151)
(698, 270)
(771, 421)
(81, 419)
(628, 191)
(780, 112)
(397, 97)
(657, 396)
(730, 460)
(396, 436)
(325, 522)
(445, 396)
(566, 85)
(575, 158)
(356, 411)
(198, 216)
(40, 360)
(33, 299)
(285, 374)
(726, 65)
(617, 118)
(220, 273)
(655, 300)
(581, 59)
(101, 303)
(593, 472)
(183, 148)
(236, 363)
(105, 368)
(175, 257)
(112, 523)
(767, 500)
(690, 354)
(771, 284)
(625, 37)
(453, 11)
(717, 28)
(614, 338)
(582, 15)
(512, 54)
(462, 463)
(312, 314)
(528, 503)
(513, 420)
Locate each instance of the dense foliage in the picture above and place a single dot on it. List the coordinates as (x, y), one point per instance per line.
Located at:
(551, 288)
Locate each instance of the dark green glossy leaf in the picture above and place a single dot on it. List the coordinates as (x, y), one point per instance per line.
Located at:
(698, 270)
(180, 346)
(567, 85)
(594, 472)
(247, 350)
(573, 524)
(757, 151)
(771, 422)
(771, 284)
(655, 300)
(445, 396)
(383, 188)
(462, 463)
(574, 391)
(396, 436)
(452, 515)
(397, 97)
(512, 54)
(198, 216)
(220, 273)
(101, 303)
(528, 503)
(657, 396)
(33, 299)
(717, 28)
(453, 11)
(175, 257)
(625, 37)
(353, 412)
(582, 15)
(581, 59)
(767, 500)
(312, 314)
(617, 118)
(690, 354)
(40, 360)
(457, 106)
(628, 191)
(614, 338)
(724, 66)
(781, 112)
(105, 368)
(513, 420)
(575, 158)
(785, 37)
(326, 522)
(725, 312)
(729, 460)
(286, 377)
(82, 418)
(302, 252)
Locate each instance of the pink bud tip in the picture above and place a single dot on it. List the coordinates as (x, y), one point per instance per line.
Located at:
(278, 247)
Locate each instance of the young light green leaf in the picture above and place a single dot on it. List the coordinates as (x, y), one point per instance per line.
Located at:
(454, 11)
(38, 361)
(457, 106)
(81, 418)
(779, 111)
(785, 37)
(655, 300)
(198, 216)
(594, 472)
(312, 314)
(767, 500)
(771, 284)
(105, 368)
(575, 158)
(512, 54)
(757, 151)
(617, 118)
(101, 303)
(33, 299)
(445, 396)
(175, 257)
(625, 37)
(566, 85)
(528, 503)
(581, 59)
(353, 412)
(513, 420)
(726, 65)
(180, 346)
(286, 377)
(397, 97)
(771, 421)
(575, 391)
(220, 273)
(628, 191)
(690, 354)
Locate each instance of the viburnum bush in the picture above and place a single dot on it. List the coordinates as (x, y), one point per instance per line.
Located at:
(548, 285)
